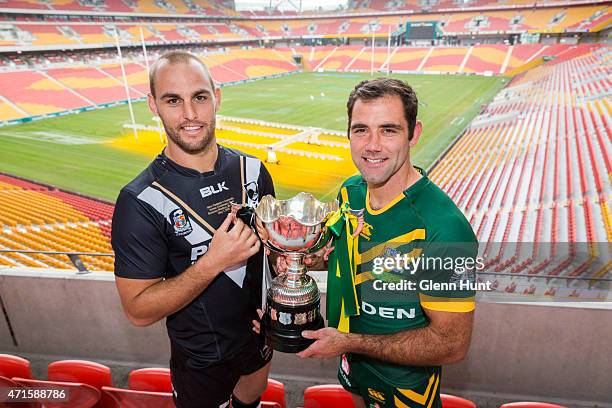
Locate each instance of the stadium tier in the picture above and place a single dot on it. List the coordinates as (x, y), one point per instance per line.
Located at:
(544, 20)
(496, 59)
(36, 93)
(40, 218)
(211, 8)
(535, 167)
(31, 93)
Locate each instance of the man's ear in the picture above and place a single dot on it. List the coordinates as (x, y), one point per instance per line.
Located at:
(418, 129)
(152, 106)
(217, 99)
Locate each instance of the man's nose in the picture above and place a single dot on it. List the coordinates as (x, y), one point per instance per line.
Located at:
(189, 111)
(373, 144)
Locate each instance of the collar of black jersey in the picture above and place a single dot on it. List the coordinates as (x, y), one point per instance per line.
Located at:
(164, 161)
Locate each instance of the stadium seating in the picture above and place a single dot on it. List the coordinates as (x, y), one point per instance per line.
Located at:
(452, 401)
(275, 393)
(14, 366)
(87, 372)
(549, 134)
(329, 395)
(139, 399)
(45, 219)
(37, 94)
(78, 395)
(530, 405)
(150, 379)
(59, 89)
(95, 85)
(8, 383)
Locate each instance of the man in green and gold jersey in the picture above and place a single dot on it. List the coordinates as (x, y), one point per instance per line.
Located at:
(395, 323)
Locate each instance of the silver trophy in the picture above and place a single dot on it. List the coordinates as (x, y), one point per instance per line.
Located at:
(294, 228)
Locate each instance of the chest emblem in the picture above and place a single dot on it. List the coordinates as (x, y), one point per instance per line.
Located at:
(180, 222)
(366, 231)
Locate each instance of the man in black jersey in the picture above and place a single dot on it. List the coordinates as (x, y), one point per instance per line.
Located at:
(180, 254)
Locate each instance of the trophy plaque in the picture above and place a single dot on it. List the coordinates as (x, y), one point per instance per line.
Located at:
(294, 228)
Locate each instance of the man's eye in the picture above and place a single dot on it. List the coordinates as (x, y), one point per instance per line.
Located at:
(201, 98)
(389, 130)
(359, 130)
(173, 101)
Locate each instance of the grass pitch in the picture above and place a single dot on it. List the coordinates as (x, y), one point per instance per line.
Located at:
(79, 152)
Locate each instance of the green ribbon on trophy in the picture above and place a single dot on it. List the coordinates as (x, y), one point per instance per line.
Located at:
(345, 225)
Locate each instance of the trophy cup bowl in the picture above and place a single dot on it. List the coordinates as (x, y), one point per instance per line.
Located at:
(294, 228)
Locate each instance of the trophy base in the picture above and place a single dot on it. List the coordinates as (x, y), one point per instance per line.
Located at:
(283, 325)
(291, 341)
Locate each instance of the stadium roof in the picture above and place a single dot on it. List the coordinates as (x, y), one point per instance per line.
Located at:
(291, 5)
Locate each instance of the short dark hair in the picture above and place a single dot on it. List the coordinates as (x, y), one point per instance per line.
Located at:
(175, 57)
(371, 89)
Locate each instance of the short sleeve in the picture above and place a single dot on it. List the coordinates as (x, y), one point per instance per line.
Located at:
(138, 239)
(448, 273)
(266, 185)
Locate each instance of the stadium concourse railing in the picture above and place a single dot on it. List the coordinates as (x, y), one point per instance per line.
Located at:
(125, 101)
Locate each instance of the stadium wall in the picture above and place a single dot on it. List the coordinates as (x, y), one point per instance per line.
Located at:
(527, 351)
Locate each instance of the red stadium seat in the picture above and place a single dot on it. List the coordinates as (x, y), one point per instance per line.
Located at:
(275, 392)
(150, 379)
(95, 374)
(13, 366)
(451, 401)
(8, 383)
(531, 405)
(87, 372)
(139, 399)
(328, 395)
(79, 395)
(268, 404)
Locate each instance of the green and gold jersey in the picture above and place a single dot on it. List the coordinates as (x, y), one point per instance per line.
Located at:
(413, 254)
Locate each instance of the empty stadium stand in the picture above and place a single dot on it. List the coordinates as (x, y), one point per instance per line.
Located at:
(40, 218)
(534, 167)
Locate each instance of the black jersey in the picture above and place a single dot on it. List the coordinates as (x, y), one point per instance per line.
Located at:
(154, 235)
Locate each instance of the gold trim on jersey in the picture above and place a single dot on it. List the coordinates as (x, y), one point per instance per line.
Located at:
(406, 238)
(443, 304)
(421, 399)
(386, 207)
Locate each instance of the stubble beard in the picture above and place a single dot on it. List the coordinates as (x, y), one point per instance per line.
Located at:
(196, 147)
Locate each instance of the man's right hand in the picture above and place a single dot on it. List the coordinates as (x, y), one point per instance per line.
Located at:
(232, 245)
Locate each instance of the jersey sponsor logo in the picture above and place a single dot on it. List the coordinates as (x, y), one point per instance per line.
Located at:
(210, 190)
(377, 395)
(198, 251)
(388, 312)
(252, 193)
(180, 222)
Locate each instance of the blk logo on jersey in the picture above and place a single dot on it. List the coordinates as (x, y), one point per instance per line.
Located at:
(180, 222)
(210, 190)
(252, 194)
